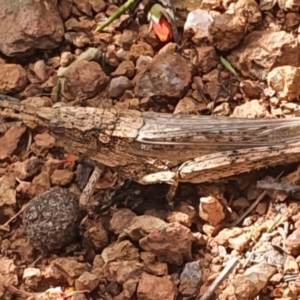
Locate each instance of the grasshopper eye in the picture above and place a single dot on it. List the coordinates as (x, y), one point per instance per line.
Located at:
(58, 105)
(56, 126)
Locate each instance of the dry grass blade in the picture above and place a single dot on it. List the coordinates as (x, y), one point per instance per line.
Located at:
(225, 272)
(251, 207)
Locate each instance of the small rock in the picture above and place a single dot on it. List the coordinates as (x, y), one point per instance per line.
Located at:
(188, 209)
(97, 5)
(188, 105)
(83, 6)
(66, 59)
(129, 288)
(111, 9)
(255, 278)
(38, 26)
(227, 31)
(211, 4)
(61, 177)
(276, 278)
(121, 219)
(197, 25)
(69, 267)
(168, 48)
(118, 86)
(143, 62)
(40, 71)
(42, 143)
(222, 110)
(125, 68)
(64, 9)
(22, 246)
(79, 296)
(240, 204)
(267, 4)
(211, 210)
(293, 243)
(81, 24)
(96, 234)
(7, 193)
(98, 262)
(182, 218)
(41, 183)
(152, 266)
(9, 142)
(121, 271)
(8, 271)
(260, 51)
(32, 277)
(13, 78)
(285, 82)
(251, 109)
(139, 49)
(78, 39)
(235, 238)
(208, 229)
(292, 20)
(152, 288)
(290, 265)
(86, 282)
(166, 75)
(26, 189)
(251, 89)
(111, 56)
(31, 90)
(207, 58)
(127, 39)
(190, 278)
(87, 79)
(113, 288)
(164, 243)
(292, 5)
(261, 208)
(117, 251)
(250, 10)
(24, 170)
(140, 226)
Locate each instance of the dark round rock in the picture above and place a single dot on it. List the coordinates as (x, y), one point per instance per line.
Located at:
(51, 219)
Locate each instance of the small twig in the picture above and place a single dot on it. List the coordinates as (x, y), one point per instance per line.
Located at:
(252, 206)
(229, 267)
(29, 141)
(89, 188)
(6, 224)
(290, 189)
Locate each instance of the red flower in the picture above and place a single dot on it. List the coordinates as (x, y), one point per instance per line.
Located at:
(163, 29)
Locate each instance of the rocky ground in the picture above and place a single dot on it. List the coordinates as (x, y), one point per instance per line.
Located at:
(139, 248)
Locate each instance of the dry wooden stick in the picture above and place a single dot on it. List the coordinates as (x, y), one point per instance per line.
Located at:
(225, 272)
